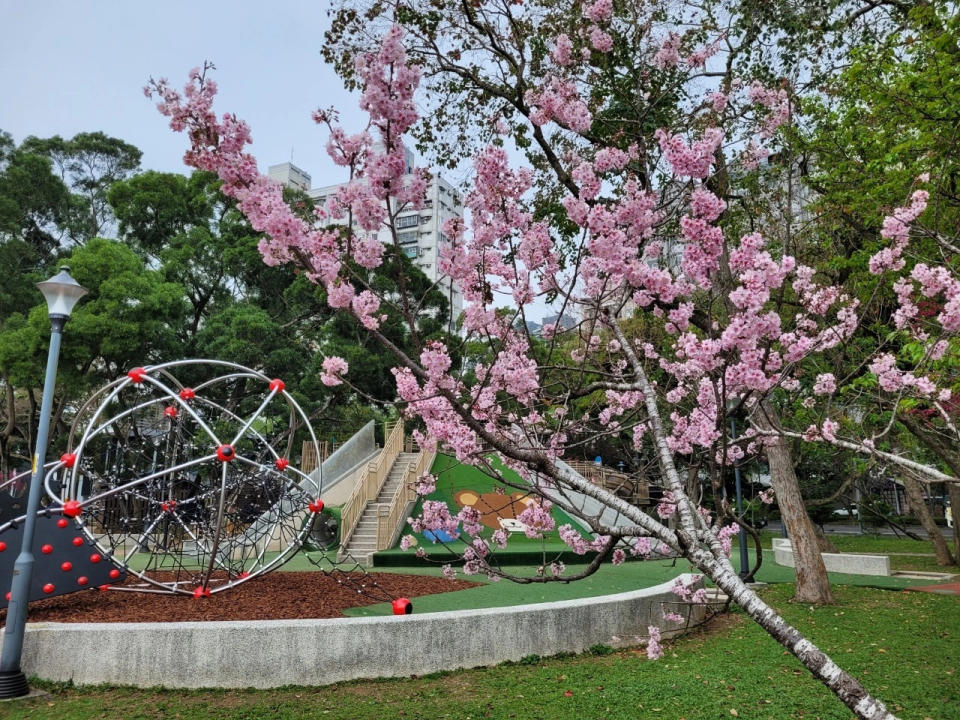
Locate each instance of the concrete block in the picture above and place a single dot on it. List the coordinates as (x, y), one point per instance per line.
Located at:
(849, 563)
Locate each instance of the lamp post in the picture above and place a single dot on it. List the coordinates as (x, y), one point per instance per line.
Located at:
(742, 535)
(61, 293)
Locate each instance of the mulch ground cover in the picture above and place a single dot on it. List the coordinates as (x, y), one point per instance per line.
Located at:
(276, 596)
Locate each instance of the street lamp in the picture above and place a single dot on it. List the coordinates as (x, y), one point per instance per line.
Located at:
(732, 405)
(61, 293)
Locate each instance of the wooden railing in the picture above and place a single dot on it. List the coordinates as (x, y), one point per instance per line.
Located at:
(308, 455)
(622, 484)
(369, 487)
(390, 517)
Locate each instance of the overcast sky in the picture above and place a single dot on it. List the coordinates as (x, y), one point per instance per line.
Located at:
(69, 67)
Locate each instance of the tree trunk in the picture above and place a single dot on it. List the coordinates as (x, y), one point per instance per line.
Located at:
(953, 492)
(846, 687)
(813, 586)
(823, 542)
(919, 507)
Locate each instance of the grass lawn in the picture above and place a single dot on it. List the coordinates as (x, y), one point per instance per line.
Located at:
(905, 647)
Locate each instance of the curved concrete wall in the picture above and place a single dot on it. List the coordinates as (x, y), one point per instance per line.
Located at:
(274, 653)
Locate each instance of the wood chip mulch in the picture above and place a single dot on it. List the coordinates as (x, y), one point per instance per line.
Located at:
(276, 596)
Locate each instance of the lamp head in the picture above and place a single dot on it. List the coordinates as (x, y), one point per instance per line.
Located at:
(61, 293)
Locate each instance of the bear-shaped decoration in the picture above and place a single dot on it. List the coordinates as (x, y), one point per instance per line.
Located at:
(496, 511)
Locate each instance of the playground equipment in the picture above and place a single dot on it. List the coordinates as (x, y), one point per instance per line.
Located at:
(178, 474)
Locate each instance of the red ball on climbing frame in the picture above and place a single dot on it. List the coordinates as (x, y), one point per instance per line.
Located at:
(72, 508)
(137, 375)
(170, 411)
(114, 574)
(62, 523)
(68, 459)
(282, 464)
(316, 506)
(187, 394)
(277, 385)
(225, 453)
(46, 549)
(77, 541)
(82, 580)
(48, 588)
(95, 558)
(66, 566)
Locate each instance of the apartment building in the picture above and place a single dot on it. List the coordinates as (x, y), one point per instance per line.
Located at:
(420, 232)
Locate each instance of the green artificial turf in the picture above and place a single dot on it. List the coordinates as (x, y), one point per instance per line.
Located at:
(905, 647)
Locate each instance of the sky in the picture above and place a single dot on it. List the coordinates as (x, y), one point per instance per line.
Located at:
(80, 66)
(69, 67)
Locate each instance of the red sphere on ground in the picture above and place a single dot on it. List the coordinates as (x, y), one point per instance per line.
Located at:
(114, 574)
(72, 508)
(62, 523)
(48, 588)
(277, 385)
(82, 580)
(68, 459)
(225, 453)
(201, 592)
(170, 411)
(282, 464)
(137, 374)
(95, 558)
(77, 541)
(66, 566)
(187, 394)
(402, 606)
(46, 549)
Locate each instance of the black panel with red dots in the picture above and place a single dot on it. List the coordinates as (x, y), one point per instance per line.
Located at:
(64, 561)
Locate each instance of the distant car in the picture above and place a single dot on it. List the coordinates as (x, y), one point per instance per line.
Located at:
(846, 512)
(948, 514)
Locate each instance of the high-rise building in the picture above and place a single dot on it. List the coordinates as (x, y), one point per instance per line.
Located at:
(419, 232)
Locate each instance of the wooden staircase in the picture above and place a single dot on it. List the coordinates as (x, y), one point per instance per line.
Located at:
(362, 542)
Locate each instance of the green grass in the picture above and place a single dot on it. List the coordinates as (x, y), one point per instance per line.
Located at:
(905, 647)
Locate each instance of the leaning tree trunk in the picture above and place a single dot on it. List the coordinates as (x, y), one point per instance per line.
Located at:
(953, 492)
(919, 506)
(813, 586)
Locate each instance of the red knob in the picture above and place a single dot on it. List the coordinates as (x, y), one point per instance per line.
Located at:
(276, 385)
(48, 588)
(114, 574)
(3, 546)
(187, 394)
(62, 523)
(72, 508)
(77, 541)
(82, 580)
(46, 549)
(95, 558)
(137, 375)
(68, 459)
(402, 606)
(66, 567)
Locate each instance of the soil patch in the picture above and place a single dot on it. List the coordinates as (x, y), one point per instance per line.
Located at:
(275, 596)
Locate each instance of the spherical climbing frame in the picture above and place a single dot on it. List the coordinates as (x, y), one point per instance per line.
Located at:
(180, 473)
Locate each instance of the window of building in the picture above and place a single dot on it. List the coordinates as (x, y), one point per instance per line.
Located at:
(411, 251)
(408, 221)
(407, 237)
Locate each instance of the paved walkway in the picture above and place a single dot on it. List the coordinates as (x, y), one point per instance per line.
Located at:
(941, 589)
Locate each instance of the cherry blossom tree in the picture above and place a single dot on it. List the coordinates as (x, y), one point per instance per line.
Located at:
(636, 239)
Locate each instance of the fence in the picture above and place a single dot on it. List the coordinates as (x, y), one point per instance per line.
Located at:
(633, 489)
(368, 489)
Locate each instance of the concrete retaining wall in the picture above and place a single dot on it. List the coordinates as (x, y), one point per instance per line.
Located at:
(850, 563)
(274, 653)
